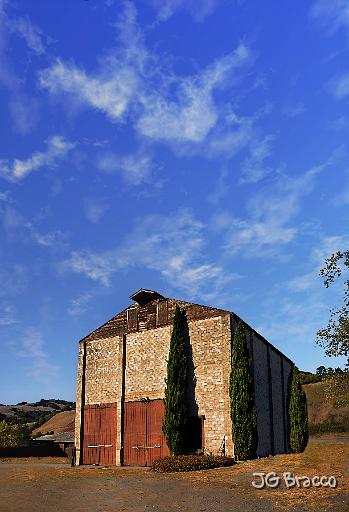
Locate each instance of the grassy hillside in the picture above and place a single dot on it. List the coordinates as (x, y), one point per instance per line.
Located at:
(328, 408)
(60, 422)
(34, 414)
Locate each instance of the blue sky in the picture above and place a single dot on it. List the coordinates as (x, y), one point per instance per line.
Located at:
(198, 148)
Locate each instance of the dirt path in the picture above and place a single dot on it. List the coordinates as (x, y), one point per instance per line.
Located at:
(38, 488)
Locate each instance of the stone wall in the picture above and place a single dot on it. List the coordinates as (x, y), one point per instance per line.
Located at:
(146, 366)
(147, 344)
(101, 382)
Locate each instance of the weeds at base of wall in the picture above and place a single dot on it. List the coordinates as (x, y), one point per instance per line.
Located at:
(190, 463)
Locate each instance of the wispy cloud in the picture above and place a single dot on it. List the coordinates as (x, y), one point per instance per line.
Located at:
(135, 169)
(136, 83)
(193, 113)
(95, 209)
(32, 347)
(18, 227)
(5, 197)
(271, 211)
(31, 34)
(339, 86)
(331, 15)
(172, 246)
(198, 9)
(108, 91)
(7, 315)
(221, 189)
(253, 168)
(23, 107)
(13, 278)
(57, 148)
(319, 253)
(79, 305)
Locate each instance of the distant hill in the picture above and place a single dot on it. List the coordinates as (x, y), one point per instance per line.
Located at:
(327, 413)
(36, 413)
(60, 422)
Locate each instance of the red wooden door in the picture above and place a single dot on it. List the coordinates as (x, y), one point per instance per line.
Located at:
(144, 441)
(99, 440)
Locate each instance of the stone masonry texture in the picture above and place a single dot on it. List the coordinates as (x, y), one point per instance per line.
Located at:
(144, 333)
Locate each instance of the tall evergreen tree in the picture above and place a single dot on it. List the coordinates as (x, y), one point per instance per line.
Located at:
(176, 409)
(242, 398)
(298, 414)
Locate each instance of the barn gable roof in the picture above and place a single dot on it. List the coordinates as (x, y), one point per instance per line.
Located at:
(148, 315)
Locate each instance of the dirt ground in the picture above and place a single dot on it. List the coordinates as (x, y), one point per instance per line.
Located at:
(42, 485)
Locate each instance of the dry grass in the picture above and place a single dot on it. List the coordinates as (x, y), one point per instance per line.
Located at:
(321, 409)
(325, 459)
(234, 483)
(60, 422)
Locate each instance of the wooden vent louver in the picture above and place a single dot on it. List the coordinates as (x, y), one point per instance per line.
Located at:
(161, 313)
(132, 319)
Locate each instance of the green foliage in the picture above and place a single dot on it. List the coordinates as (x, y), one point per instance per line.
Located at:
(322, 373)
(298, 414)
(335, 336)
(176, 410)
(43, 418)
(242, 398)
(190, 463)
(309, 378)
(337, 389)
(331, 425)
(12, 435)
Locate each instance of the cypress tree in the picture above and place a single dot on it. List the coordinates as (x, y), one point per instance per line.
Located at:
(176, 410)
(242, 398)
(298, 414)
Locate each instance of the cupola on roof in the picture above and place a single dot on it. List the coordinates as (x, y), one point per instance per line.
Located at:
(143, 296)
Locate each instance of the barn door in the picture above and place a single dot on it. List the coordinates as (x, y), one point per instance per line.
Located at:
(144, 441)
(99, 441)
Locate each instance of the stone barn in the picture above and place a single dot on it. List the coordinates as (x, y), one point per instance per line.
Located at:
(121, 381)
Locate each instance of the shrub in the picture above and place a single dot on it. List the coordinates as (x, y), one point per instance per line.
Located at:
(176, 410)
(298, 414)
(12, 435)
(242, 398)
(190, 463)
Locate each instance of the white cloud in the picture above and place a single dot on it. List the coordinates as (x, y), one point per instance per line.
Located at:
(32, 347)
(173, 246)
(31, 34)
(18, 227)
(95, 209)
(331, 14)
(135, 169)
(270, 212)
(132, 81)
(5, 197)
(253, 168)
(193, 113)
(23, 107)
(221, 189)
(327, 246)
(198, 9)
(79, 305)
(109, 91)
(339, 86)
(57, 148)
(98, 267)
(24, 110)
(13, 279)
(7, 316)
